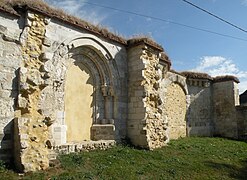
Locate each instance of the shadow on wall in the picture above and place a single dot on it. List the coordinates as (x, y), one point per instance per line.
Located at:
(234, 171)
(243, 98)
(7, 138)
(7, 143)
(199, 113)
(89, 81)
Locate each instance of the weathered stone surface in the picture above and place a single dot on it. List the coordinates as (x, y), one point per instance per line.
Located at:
(200, 115)
(175, 109)
(84, 146)
(146, 128)
(47, 108)
(224, 102)
(103, 132)
(32, 149)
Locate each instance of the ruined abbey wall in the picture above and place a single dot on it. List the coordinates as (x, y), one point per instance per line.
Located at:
(200, 114)
(225, 101)
(10, 60)
(68, 87)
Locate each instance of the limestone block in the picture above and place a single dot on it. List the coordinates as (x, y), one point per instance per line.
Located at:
(23, 71)
(22, 102)
(59, 134)
(30, 16)
(3, 29)
(6, 108)
(7, 85)
(6, 94)
(34, 77)
(29, 22)
(47, 20)
(47, 42)
(47, 56)
(103, 132)
(3, 77)
(24, 86)
(60, 114)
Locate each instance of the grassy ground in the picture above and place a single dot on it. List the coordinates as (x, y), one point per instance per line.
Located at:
(188, 158)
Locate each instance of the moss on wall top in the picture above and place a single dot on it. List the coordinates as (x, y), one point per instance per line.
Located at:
(196, 75)
(146, 40)
(226, 78)
(17, 7)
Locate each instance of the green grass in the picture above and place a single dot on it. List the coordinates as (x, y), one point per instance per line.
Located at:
(188, 158)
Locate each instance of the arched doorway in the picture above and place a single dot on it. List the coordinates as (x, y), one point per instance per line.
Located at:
(175, 107)
(79, 88)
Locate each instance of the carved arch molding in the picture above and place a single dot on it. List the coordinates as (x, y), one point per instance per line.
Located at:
(98, 63)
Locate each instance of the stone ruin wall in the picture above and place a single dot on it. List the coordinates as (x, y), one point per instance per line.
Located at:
(36, 58)
(155, 124)
(144, 108)
(200, 111)
(214, 109)
(31, 126)
(175, 107)
(10, 60)
(225, 99)
(136, 94)
(153, 118)
(107, 62)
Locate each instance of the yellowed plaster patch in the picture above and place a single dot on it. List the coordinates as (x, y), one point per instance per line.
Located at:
(78, 103)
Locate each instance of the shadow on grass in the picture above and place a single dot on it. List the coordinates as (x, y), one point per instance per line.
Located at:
(232, 170)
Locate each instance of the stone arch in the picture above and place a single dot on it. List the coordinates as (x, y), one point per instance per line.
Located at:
(105, 55)
(178, 79)
(93, 41)
(175, 108)
(102, 82)
(98, 63)
(174, 94)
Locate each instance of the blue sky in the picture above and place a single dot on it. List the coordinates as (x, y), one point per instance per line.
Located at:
(188, 49)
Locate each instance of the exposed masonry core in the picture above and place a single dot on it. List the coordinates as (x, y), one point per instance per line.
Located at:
(175, 108)
(31, 124)
(153, 103)
(67, 87)
(145, 104)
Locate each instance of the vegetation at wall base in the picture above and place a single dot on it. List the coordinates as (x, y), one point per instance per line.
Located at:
(187, 158)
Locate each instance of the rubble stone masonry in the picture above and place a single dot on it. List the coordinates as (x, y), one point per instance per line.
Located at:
(68, 86)
(175, 108)
(146, 127)
(31, 125)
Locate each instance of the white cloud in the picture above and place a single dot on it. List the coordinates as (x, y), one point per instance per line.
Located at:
(218, 65)
(78, 8)
(242, 86)
(244, 2)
